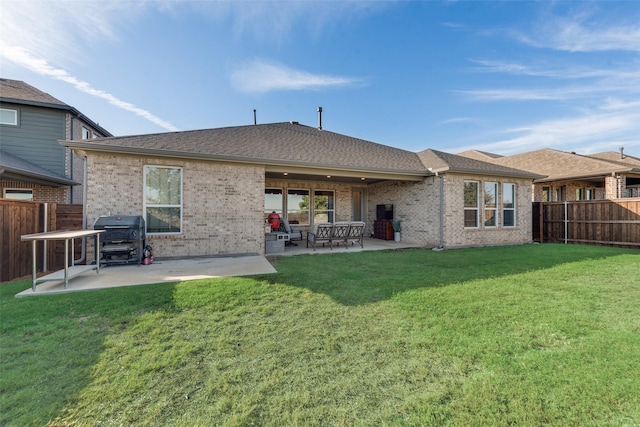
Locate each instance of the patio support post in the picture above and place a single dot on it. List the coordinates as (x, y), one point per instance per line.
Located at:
(441, 210)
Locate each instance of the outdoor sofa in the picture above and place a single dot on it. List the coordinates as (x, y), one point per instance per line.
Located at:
(338, 232)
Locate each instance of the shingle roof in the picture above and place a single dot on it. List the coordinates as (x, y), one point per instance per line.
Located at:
(275, 143)
(290, 144)
(613, 156)
(439, 161)
(21, 91)
(12, 167)
(480, 155)
(562, 165)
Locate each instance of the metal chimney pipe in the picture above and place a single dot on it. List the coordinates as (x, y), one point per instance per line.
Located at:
(621, 153)
(255, 120)
(320, 118)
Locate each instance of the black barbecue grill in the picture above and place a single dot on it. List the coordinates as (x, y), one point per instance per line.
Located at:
(123, 241)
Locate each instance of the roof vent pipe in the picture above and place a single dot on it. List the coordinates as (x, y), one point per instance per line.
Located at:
(621, 153)
(255, 119)
(320, 118)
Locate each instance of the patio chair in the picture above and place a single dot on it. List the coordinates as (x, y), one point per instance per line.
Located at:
(322, 233)
(340, 232)
(355, 234)
(285, 227)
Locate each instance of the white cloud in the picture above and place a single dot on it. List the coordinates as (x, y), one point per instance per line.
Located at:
(456, 120)
(40, 66)
(261, 76)
(578, 133)
(36, 34)
(577, 33)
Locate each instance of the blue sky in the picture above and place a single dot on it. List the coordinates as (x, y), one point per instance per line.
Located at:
(499, 76)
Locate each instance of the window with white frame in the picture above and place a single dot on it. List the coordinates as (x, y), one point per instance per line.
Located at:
(86, 133)
(8, 116)
(490, 204)
(273, 201)
(323, 206)
(163, 199)
(18, 194)
(580, 194)
(509, 205)
(591, 194)
(298, 206)
(471, 204)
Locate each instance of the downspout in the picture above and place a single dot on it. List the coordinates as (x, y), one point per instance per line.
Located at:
(83, 252)
(71, 160)
(84, 211)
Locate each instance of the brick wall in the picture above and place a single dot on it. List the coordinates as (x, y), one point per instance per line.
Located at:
(456, 235)
(415, 204)
(41, 193)
(222, 203)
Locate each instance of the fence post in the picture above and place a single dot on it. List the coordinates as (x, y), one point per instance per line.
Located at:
(566, 222)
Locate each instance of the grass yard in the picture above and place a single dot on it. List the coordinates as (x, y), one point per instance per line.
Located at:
(528, 335)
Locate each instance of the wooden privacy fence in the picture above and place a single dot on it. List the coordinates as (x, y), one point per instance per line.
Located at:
(599, 222)
(21, 217)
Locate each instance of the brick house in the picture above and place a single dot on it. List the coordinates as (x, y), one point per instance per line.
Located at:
(569, 176)
(33, 165)
(207, 192)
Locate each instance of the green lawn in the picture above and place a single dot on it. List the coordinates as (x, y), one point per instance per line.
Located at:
(528, 335)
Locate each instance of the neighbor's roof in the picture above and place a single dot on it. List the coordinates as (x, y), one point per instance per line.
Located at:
(480, 155)
(15, 168)
(19, 92)
(16, 90)
(561, 165)
(439, 161)
(613, 156)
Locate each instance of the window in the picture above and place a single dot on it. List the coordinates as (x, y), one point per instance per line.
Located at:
(323, 206)
(273, 201)
(163, 199)
(560, 192)
(10, 193)
(591, 194)
(509, 205)
(471, 204)
(8, 117)
(86, 133)
(546, 194)
(298, 206)
(580, 194)
(490, 204)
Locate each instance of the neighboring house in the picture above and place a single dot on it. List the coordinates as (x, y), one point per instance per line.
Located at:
(208, 192)
(33, 165)
(570, 176)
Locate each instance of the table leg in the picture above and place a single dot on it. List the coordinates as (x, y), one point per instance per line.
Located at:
(73, 252)
(66, 263)
(96, 246)
(34, 271)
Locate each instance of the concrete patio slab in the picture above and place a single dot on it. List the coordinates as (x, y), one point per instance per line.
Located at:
(174, 270)
(177, 270)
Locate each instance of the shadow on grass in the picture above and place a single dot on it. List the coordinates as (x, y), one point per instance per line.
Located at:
(49, 345)
(367, 277)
